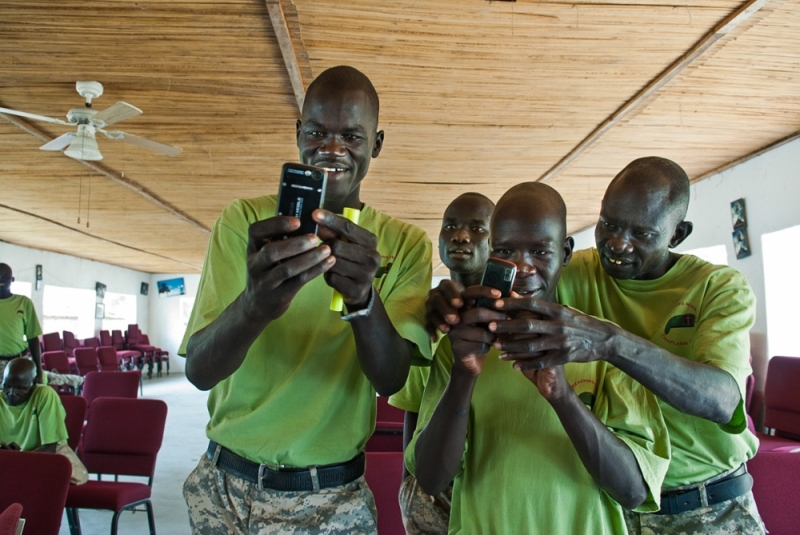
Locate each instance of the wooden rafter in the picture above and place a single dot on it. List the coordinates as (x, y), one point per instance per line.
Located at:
(283, 14)
(108, 173)
(643, 96)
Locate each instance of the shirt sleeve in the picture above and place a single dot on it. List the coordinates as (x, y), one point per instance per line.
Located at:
(32, 327)
(51, 416)
(632, 413)
(405, 302)
(722, 338)
(224, 275)
(410, 397)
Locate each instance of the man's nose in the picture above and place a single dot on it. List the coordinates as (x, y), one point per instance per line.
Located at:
(619, 245)
(461, 236)
(332, 145)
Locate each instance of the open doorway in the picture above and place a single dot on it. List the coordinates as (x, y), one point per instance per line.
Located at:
(782, 290)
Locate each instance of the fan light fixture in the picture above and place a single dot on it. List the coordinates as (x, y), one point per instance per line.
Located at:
(84, 145)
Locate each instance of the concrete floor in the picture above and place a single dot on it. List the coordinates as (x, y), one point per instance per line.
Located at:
(184, 442)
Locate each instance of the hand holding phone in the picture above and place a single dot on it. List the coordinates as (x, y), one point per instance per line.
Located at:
(498, 274)
(302, 190)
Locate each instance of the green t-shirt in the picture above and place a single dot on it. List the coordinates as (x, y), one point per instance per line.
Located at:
(300, 397)
(520, 472)
(38, 421)
(18, 324)
(697, 311)
(409, 397)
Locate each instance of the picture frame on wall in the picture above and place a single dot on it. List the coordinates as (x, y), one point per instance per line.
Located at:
(738, 215)
(741, 245)
(100, 289)
(171, 287)
(99, 311)
(144, 289)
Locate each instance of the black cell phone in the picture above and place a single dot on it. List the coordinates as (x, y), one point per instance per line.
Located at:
(302, 190)
(498, 274)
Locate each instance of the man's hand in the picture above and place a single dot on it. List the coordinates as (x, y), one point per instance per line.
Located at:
(13, 446)
(277, 269)
(559, 335)
(551, 382)
(356, 254)
(471, 340)
(447, 300)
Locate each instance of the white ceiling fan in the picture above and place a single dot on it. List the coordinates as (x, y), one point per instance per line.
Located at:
(82, 144)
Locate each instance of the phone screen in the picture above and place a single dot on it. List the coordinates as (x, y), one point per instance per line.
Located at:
(498, 274)
(302, 190)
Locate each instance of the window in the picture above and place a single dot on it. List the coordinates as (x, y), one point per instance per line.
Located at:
(68, 309)
(120, 311)
(781, 257)
(716, 254)
(21, 288)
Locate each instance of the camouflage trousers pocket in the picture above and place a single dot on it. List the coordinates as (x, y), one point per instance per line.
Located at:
(424, 514)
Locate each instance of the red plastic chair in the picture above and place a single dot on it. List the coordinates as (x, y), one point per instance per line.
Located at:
(91, 342)
(39, 482)
(384, 476)
(109, 361)
(86, 360)
(388, 435)
(134, 341)
(122, 437)
(159, 355)
(782, 404)
(105, 338)
(127, 357)
(776, 488)
(52, 342)
(75, 406)
(56, 361)
(70, 343)
(110, 385)
(10, 518)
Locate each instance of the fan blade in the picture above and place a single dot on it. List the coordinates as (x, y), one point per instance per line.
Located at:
(116, 113)
(59, 143)
(34, 116)
(169, 150)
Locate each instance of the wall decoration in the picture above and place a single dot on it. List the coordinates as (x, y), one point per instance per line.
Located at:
(99, 311)
(100, 289)
(171, 287)
(738, 216)
(741, 245)
(144, 289)
(38, 277)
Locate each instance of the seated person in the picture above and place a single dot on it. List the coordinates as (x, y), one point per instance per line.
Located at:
(562, 456)
(31, 416)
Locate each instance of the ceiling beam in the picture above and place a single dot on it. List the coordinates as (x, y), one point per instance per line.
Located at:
(282, 13)
(113, 175)
(641, 98)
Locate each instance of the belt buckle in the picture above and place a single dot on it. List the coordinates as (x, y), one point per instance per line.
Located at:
(262, 468)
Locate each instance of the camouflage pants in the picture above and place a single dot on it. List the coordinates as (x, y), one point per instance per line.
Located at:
(222, 504)
(736, 516)
(424, 514)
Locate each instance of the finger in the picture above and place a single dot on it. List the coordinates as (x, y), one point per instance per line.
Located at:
(524, 325)
(262, 231)
(471, 334)
(293, 284)
(541, 363)
(278, 273)
(530, 304)
(281, 251)
(344, 228)
(482, 315)
(355, 260)
(473, 293)
(440, 311)
(531, 346)
(451, 290)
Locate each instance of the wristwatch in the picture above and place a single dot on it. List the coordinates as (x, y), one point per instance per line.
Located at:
(364, 312)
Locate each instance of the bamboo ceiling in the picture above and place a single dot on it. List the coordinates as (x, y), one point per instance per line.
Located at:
(475, 95)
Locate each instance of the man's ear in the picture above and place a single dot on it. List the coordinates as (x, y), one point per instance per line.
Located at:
(297, 126)
(376, 149)
(569, 245)
(682, 231)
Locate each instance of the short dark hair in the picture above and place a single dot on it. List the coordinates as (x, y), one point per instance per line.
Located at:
(673, 174)
(344, 77)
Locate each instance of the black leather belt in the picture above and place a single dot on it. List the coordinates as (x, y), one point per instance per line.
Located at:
(734, 484)
(286, 479)
(12, 357)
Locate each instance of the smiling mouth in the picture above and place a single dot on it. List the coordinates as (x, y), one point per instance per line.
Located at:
(459, 252)
(527, 292)
(334, 169)
(617, 261)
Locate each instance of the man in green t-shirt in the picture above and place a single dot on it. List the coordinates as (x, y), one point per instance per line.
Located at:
(31, 416)
(463, 249)
(682, 330)
(562, 455)
(293, 383)
(19, 326)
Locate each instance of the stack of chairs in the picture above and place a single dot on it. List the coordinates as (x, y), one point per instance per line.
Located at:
(129, 358)
(136, 339)
(388, 435)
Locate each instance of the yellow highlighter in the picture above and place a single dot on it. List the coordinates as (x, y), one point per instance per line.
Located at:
(351, 214)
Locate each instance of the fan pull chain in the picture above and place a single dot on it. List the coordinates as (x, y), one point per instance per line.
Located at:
(80, 195)
(89, 200)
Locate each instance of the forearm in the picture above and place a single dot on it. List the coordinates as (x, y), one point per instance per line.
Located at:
(384, 355)
(36, 355)
(608, 459)
(47, 448)
(440, 446)
(409, 426)
(216, 351)
(690, 387)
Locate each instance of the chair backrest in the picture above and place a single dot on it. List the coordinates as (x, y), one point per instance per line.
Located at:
(55, 361)
(75, 406)
(70, 342)
(123, 436)
(384, 476)
(144, 339)
(117, 340)
(52, 342)
(107, 356)
(86, 360)
(39, 482)
(388, 417)
(91, 342)
(776, 489)
(110, 385)
(105, 338)
(10, 518)
(133, 335)
(781, 398)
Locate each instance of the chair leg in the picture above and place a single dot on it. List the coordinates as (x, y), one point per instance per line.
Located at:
(150, 518)
(115, 522)
(74, 521)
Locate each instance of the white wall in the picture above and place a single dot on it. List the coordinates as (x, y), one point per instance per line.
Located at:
(70, 271)
(771, 190)
(166, 321)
